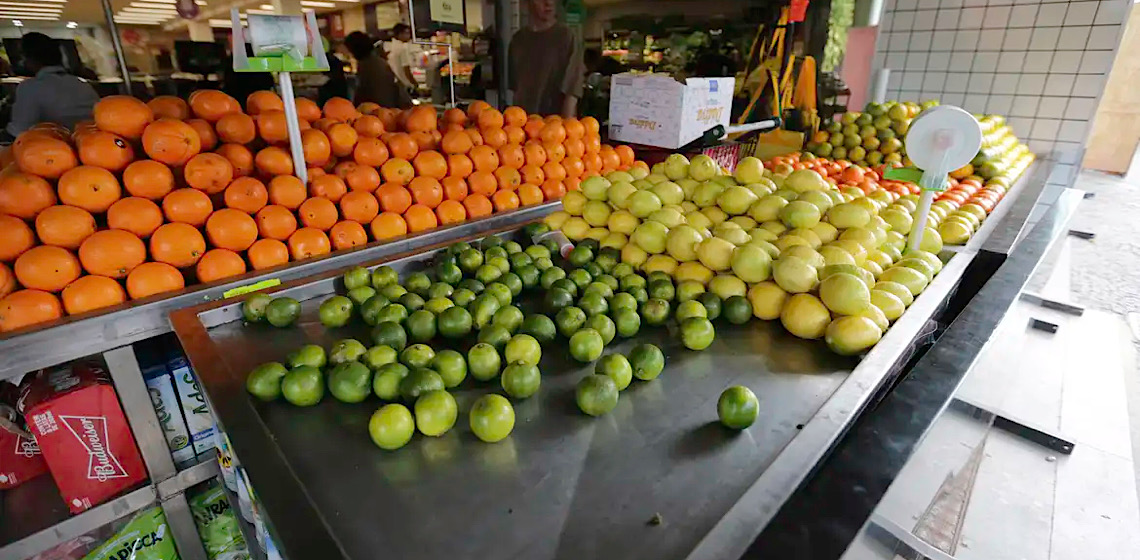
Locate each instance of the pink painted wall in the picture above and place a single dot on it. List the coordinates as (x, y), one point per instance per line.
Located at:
(856, 69)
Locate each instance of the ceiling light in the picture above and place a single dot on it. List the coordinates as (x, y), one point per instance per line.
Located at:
(166, 7)
(30, 7)
(317, 4)
(17, 23)
(266, 7)
(24, 15)
(146, 11)
(138, 10)
(72, 25)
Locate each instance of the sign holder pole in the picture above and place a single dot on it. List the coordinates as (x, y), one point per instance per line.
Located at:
(293, 125)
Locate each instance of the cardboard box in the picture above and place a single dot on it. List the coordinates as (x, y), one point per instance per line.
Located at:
(199, 420)
(20, 457)
(160, 386)
(75, 417)
(657, 110)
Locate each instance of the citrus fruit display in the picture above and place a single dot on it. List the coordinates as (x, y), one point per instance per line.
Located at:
(151, 202)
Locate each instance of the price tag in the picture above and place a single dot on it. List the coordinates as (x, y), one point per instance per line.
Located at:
(447, 11)
(240, 290)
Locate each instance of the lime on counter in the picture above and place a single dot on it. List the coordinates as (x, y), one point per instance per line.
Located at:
(436, 412)
(283, 311)
(647, 361)
(520, 380)
(264, 382)
(483, 361)
(391, 426)
(390, 333)
(616, 367)
(307, 355)
(347, 350)
(596, 394)
(350, 382)
(303, 386)
(737, 407)
(451, 366)
(386, 381)
(492, 418)
(420, 381)
(253, 309)
(586, 345)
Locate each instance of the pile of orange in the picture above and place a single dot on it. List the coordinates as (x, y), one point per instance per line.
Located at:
(151, 197)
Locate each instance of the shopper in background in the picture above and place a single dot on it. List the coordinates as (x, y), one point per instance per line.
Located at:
(545, 64)
(52, 95)
(402, 55)
(375, 81)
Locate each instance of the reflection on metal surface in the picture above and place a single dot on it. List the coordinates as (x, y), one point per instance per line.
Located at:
(941, 523)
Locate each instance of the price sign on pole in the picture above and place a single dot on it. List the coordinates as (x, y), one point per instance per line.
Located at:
(447, 11)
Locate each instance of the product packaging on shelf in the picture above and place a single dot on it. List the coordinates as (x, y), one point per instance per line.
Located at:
(199, 420)
(217, 524)
(657, 110)
(145, 537)
(160, 386)
(20, 457)
(75, 416)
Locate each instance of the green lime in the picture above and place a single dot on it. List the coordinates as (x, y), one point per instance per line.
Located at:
(630, 281)
(350, 382)
(580, 277)
(586, 345)
(346, 350)
(689, 290)
(411, 301)
(393, 312)
(697, 333)
(594, 304)
(537, 252)
(488, 273)
(580, 255)
(501, 263)
(392, 291)
(604, 325)
(390, 333)
(483, 309)
(593, 270)
(421, 326)
(647, 361)
(384, 276)
(512, 282)
(361, 295)
(253, 309)
(519, 260)
(523, 348)
(303, 386)
(501, 292)
(483, 361)
(495, 253)
(662, 289)
(438, 305)
(528, 275)
(462, 297)
(596, 394)
(556, 300)
(440, 290)
(543, 263)
(391, 426)
(606, 261)
(600, 288)
(540, 327)
(448, 273)
(609, 253)
(626, 322)
(282, 311)
(454, 322)
(691, 308)
(622, 300)
(451, 366)
(307, 355)
(569, 320)
(520, 380)
(621, 270)
(417, 283)
(335, 311)
(737, 407)
(444, 257)
(551, 245)
(510, 317)
(737, 310)
(610, 282)
(512, 247)
(616, 367)
(458, 247)
(419, 381)
(474, 286)
(417, 356)
(495, 335)
(550, 276)
(386, 382)
(356, 277)
(470, 260)
(380, 355)
(264, 382)
(658, 275)
(639, 295)
(492, 418)
(490, 241)
(655, 312)
(712, 304)
(567, 285)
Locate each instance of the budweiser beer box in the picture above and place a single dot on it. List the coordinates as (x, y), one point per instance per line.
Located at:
(75, 417)
(20, 457)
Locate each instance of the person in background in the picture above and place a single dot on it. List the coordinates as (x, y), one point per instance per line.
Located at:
(375, 81)
(545, 64)
(336, 84)
(52, 95)
(402, 55)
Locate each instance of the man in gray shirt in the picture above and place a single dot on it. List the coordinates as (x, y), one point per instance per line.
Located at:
(53, 95)
(545, 66)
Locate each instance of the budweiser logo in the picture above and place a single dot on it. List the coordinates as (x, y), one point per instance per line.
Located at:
(91, 431)
(26, 447)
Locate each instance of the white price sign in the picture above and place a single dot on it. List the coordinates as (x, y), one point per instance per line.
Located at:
(447, 11)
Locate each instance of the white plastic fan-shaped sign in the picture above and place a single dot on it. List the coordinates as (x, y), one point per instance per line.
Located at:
(939, 140)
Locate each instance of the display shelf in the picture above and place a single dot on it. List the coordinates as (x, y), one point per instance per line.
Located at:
(248, 531)
(91, 333)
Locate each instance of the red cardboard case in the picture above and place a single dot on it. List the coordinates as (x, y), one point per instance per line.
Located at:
(20, 457)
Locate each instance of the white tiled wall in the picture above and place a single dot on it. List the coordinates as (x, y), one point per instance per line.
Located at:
(1041, 63)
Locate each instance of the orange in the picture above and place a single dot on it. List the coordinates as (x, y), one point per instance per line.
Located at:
(402, 146)
(430, 163)
(362, 178)
(394, 198)
(575, 147)
(93, 189)
(534, 152)
(485, 158)
(211, 104)
(572, 184)
(477, 206)
(217, 264)
(552, 118)
(532, 174)
(390, 118)
(494, 137)
(207, 138)
(592, 163)
(323, 124)
(342, 139)
(273, 160)
(573, 166)
(530, 194)
(177, 244)
(426, 191)
(328, 186)
(552, 133)
(123, 115)
(7, 280)
(370, 151)
(590, 124)
(315, 147)
(490, 118)
(25, 196)
(266, 253)
(533, 127)
(421, 117)
(341, 109)
(456, 142)
(515, 134)
(514, 116)
(239, 157)
(593, 143)
(169, 107)
(112, 252)
(475, 108)
(246, 194)
(347, 234)
(148, 179)
(62, 226)
(574, 128)
(271, 127)
(419, 218)
(553, 190)
(508, 178)
(91, 292)
(450, 212)
(15, 237)
(308, 242)
(369, 126)
(554, 171)
(319, 213)
(610, 159)
(152, 278)
(27, 307)
(512, 155)
(426, 140)
(505, 200)
(483, 182)
(46, 268)
(455, 115)
(398, 171)
(275, 222)
(625, 154)
(208, 172)
(188, 206)
(238, 128)
(287, 191)
(475, 137)
(359, 206)
(307, 109)
(106, 150)
(454, 188)
(264, 100)
(459, 165)
(139, 216)
(388, 225)
(554, 152)
(45, 156)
